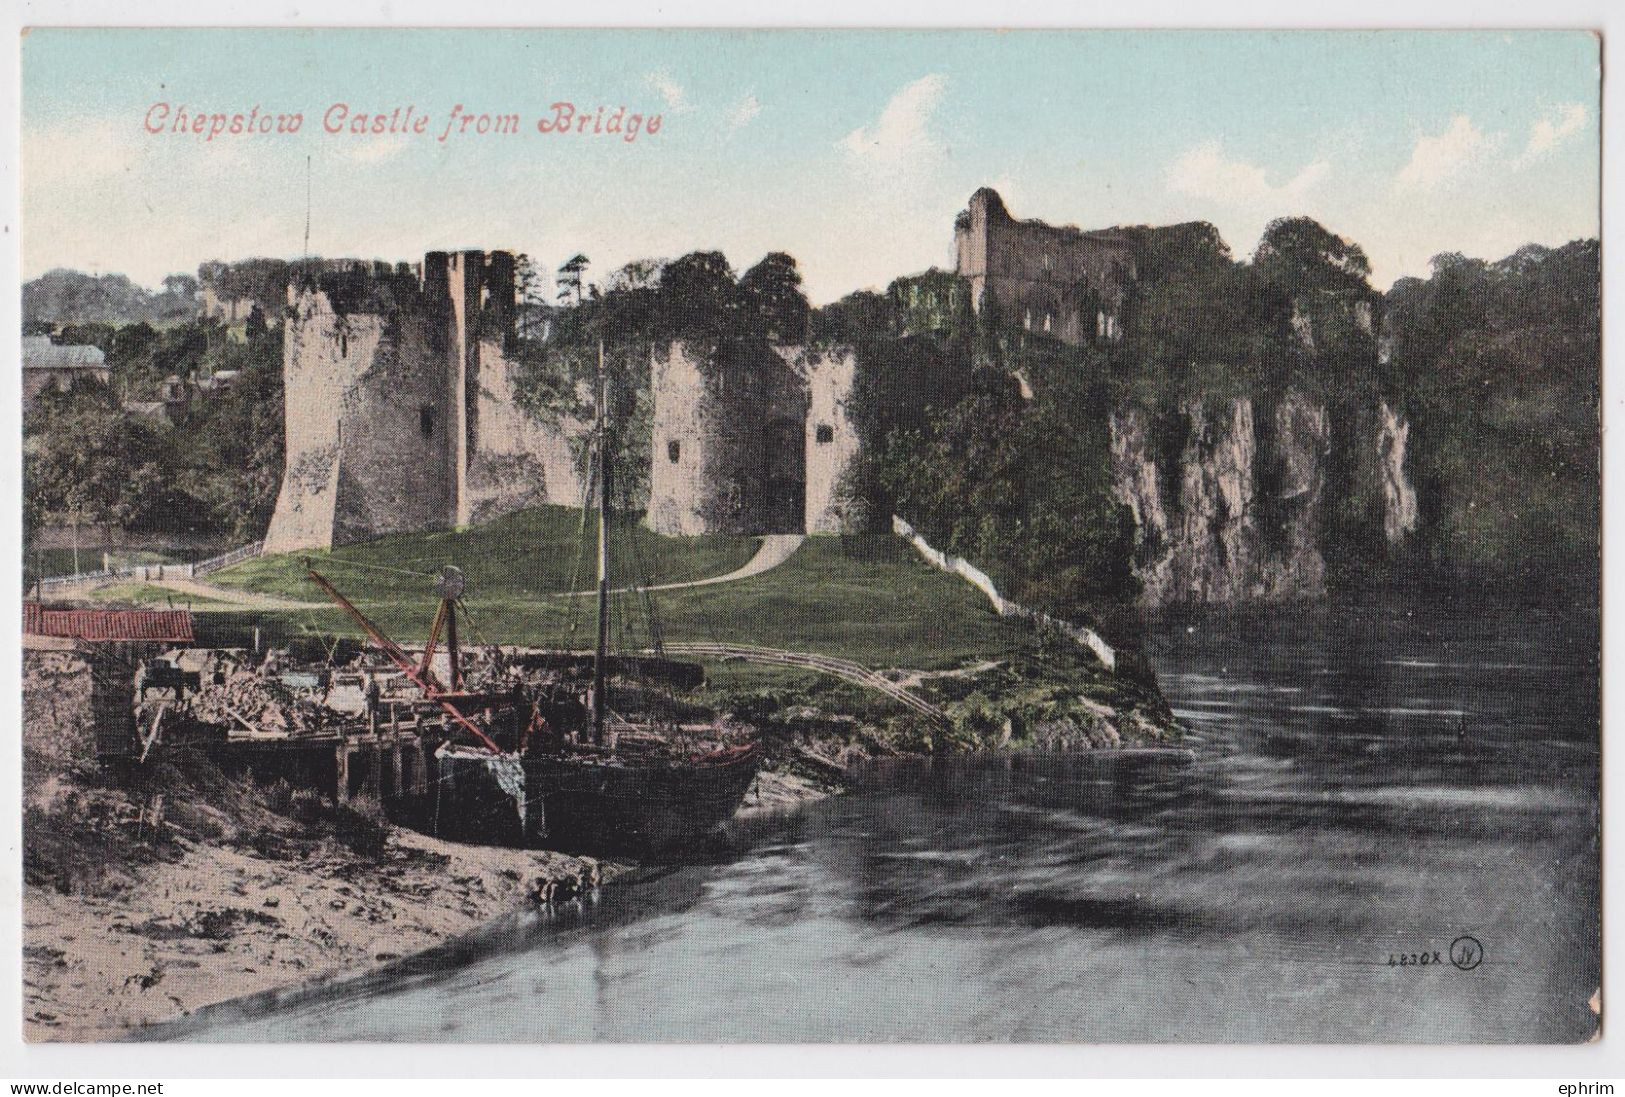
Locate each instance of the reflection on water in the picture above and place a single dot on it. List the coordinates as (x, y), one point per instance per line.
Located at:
(1365, 781)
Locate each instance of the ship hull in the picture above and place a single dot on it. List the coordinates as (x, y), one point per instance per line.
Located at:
(613, 805)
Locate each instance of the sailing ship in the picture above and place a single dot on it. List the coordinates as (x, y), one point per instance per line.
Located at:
(561, 768)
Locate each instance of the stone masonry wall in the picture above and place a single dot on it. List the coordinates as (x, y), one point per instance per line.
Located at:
(749, 441)
(359, 459)
(681, 433)
(1055, 279)
(831, 437)
(401, 411)
(517, 461)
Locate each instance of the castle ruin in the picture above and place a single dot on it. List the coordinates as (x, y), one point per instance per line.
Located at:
(400, 411)
(750, 439)
(1058, 280)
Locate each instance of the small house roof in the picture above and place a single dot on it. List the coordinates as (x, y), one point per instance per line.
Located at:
(40, 353)
(169, 626)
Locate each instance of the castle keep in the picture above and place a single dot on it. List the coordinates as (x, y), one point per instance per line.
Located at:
(1058, 280)
(400, 410)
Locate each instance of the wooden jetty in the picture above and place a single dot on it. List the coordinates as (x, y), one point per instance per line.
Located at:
(385, 759)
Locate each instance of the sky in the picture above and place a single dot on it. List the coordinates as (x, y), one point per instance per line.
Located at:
(851, 150)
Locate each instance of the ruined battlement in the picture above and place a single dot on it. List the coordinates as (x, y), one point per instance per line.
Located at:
(474, 283)
(402, 412)
(1056, 279)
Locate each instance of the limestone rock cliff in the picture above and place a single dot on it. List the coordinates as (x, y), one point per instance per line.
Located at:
(1399, 495)
(1229, 496)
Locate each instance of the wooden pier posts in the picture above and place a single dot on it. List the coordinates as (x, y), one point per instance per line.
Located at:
(405, 773)
(341, 770)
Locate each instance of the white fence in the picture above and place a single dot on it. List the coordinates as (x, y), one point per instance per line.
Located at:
(1006, 608)
(226, 559)
(148, 573)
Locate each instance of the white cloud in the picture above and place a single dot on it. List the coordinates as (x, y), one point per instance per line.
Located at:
(371, 152)
(900, 137)
(1551, 131)
(671, 91)
(1436, 160)
(1204, 172)
(745, 110)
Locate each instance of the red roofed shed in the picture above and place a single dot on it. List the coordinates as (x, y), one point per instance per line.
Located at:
(145, 626)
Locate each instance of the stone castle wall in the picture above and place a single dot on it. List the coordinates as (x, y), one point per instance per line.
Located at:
(748, 439)
(1058, 280)
(830, 437)
(686, 421)
(400, 404)
(517, 461)
(356, 384)
(403, 413)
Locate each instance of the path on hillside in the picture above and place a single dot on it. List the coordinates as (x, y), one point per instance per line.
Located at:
(231, 598)
(775, 549)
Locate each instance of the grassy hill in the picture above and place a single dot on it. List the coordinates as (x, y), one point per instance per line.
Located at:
(523, 555)
(865, 598)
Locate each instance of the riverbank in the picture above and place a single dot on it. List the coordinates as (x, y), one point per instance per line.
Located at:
(150, 890)
(153, 890)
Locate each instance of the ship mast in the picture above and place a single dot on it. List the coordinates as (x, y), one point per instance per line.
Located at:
(599, 706)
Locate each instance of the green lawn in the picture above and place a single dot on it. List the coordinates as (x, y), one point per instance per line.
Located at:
(869, 599)
(523, 555)
(148, 594)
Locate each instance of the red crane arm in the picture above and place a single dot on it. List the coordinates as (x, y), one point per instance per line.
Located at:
(424, 681)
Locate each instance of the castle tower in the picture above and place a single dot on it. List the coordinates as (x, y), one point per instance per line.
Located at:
(400, 401)
(748, 439)
(830, 437)
(367, 437)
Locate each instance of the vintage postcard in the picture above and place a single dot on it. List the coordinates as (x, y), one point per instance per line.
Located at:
(658, 536)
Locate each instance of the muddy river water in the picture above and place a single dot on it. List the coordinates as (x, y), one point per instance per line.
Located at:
(1384, 829)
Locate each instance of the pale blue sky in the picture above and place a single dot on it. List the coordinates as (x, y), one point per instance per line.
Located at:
(850, 150)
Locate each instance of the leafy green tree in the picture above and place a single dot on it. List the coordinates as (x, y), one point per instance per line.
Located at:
(1305, 257)
(700, 298)
(772, 293)
(1497, 365)
(569, 279)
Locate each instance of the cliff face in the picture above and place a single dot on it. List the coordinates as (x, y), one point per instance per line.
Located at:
(1399, 495)
(1229, 497)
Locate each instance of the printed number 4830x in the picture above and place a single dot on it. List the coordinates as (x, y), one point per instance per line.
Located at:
(1414, 959)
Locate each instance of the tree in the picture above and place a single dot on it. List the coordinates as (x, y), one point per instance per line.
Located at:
(1496, 366)
(1303, 256)
(532, 310)
(772, 292)
(182, 286)
(699, 297)
(570, 278)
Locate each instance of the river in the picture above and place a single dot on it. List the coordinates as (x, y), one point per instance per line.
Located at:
(1372, 788)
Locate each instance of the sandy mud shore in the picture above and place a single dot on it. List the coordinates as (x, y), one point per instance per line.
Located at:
(218, 922)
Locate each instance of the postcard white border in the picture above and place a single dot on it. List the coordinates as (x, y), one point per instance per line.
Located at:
(18, 1061)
